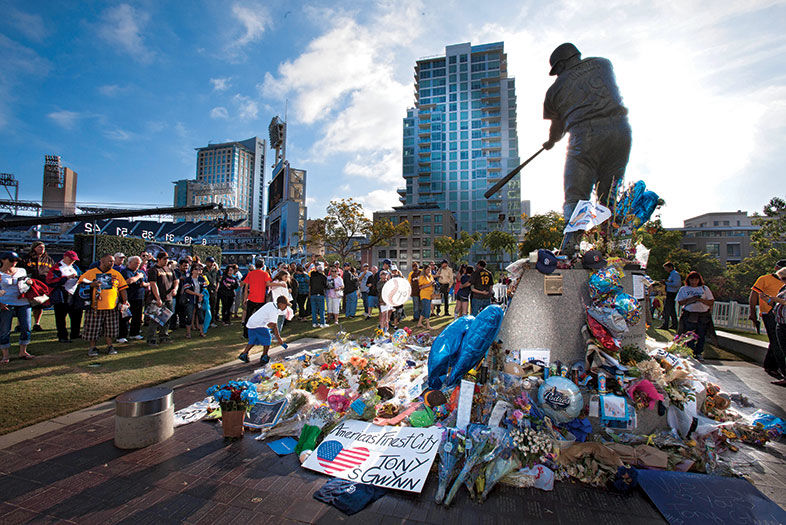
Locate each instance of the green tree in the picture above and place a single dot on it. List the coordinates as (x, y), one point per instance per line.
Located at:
(772, 232)
(542, 231)
(456, 250)
(499, 242)
(340, 231)
(686, 261)
(661, 242)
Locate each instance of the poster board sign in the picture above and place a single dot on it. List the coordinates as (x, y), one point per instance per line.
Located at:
(535, 354)
(392, 457)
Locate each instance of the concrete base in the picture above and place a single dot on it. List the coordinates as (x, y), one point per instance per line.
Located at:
(140, 432)
(537, 320)
(747, 346)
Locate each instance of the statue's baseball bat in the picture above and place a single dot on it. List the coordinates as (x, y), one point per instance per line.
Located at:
(494, 189)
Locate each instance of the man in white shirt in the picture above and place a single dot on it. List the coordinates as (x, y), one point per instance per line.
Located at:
(261, 326)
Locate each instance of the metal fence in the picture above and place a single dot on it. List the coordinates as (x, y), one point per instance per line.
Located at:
(732, 315)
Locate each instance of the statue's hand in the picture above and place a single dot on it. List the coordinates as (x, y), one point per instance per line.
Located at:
(548, 144)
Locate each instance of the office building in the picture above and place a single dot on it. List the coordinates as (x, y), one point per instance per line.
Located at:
(231, 174)
(460, 138)
(724, 235)
(59, 195)
(426, 223)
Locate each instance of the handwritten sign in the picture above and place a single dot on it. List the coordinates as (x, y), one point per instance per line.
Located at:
(392, 457)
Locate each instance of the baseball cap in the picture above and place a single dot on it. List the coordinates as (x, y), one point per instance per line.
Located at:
(11, 256)
(443, 261)
(72, 255)
(393, 267)
(120, 254)
(593, 259)
(210, 259)
(365, 265)
(547, 261)
(386, 261)
(336, 263)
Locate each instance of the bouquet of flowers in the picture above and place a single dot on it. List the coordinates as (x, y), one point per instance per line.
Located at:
(451, 452)
(532, 446)
(235, 395)
(679, 345)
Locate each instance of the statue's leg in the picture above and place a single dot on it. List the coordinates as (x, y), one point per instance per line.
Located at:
(611, 170)
(580, 169)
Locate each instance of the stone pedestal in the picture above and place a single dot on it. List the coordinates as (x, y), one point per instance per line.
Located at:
(537, 320)
(144, 417)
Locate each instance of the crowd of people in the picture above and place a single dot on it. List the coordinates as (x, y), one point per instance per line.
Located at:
(108, 302)
(120, 299)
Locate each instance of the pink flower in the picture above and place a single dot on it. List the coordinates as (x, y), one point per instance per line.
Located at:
(644, 390)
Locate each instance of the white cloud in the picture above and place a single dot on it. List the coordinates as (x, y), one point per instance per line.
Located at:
(382, 166)
(221, 84)
(379, 200)
(32, 26)
(118, 134)
(66, 119)
(247, 108)
(254, 19)
(219, 112)
(121, 26)
(113, 90)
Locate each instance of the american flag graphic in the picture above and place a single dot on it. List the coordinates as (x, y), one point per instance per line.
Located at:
(333, 457)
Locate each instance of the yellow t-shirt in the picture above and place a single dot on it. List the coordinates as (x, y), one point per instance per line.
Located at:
(770, 285)
(105, 298)
(428, 291)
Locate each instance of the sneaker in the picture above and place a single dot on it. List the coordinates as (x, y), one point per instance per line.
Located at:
(243, 357)
(323, 326)
(37, 328)
(93, 352)
(136, 337)
(111, 351)
(265, 359)
(121, 340)
(314, 325)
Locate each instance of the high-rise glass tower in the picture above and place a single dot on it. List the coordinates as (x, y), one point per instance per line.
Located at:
(232, 174)
(460, 138)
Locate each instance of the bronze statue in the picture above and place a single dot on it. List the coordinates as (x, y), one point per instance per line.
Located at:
(585, 101)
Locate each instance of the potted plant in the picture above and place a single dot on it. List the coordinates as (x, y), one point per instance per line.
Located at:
(235, 398)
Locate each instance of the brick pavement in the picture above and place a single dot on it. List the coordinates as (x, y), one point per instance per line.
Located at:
(75, 474)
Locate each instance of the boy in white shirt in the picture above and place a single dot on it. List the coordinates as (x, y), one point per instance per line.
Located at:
(261, 326)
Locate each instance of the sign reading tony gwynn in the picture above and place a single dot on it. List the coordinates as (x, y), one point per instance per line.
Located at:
(391, 457)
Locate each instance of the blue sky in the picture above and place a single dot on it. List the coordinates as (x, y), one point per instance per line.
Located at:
(125, 91)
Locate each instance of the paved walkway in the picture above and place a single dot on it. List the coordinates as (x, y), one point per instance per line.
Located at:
(74, 473)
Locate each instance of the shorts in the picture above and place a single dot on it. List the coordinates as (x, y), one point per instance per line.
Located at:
(259, 336)
(385, 308)
(101, 322)
(373, 301)
(334, 305)
(460, 299)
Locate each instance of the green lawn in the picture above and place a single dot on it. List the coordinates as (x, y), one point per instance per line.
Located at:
(63, 378)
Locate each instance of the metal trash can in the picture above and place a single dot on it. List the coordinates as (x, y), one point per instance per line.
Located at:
(144, 417)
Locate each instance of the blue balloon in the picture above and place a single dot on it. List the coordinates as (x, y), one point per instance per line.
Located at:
(481, 334)
(560, 399)
(445, 349)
